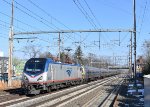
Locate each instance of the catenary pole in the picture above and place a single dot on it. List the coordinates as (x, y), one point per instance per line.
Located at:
(134, 31)
(131, 56)
(59, 40)
(10, 67)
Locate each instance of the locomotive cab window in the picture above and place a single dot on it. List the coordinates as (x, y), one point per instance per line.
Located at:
(35, 65)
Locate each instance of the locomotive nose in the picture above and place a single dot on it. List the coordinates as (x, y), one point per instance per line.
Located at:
(25, 81)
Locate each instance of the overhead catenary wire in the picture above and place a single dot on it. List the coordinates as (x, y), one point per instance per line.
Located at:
(36, 15)
(48, 14)
(4, 26)
(41, 18)
(83, 11)
(122, 40)
(92, 13)
(33, 27)
(38, 7)
(7, 27)
(81, 40)
(14, 25)
(28, 13)
(87, 15)
(35, 18)
(109, 4)
(143, 16)
(3, 35)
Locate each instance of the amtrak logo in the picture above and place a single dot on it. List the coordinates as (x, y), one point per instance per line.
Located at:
(68, 72)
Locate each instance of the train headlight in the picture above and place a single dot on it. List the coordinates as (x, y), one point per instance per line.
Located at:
(25, 78)
(40, 78)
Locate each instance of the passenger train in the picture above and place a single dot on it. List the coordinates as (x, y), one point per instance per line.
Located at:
(44, 74)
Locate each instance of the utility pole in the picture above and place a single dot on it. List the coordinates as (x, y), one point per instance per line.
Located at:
(129, 63)
(131, 55)
(59, 40)
(99, 41)
(134, 31)
(11, 34)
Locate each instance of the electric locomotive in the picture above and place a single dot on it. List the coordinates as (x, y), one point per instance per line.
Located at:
(43, 74)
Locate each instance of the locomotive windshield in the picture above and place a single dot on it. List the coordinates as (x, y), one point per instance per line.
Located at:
(35, 65)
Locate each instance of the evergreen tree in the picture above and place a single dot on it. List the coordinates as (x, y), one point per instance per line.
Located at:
(78, 55)
(62, 57)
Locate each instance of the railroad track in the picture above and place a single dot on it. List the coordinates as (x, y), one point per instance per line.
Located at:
(106, 96)
(74, 96)
(10, 96)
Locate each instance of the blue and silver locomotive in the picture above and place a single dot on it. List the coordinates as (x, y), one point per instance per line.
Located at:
(44, 74)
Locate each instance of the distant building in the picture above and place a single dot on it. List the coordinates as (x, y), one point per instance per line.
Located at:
(3, 64)
(140, 64)
(1, 54)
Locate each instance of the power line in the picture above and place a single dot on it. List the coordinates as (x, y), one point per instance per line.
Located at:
(51, 17)
(124, 37)
(37, 6)
(19, 21)
(48, 14)
(14, 25)
(5, 27)
(30, 15)
(83, 11)
(142, 20)
(94, 16)
(143, 15)
(92, 12)
(112, 5)
(4, 36)
(36, 15)
(86, 13)
(88, 16)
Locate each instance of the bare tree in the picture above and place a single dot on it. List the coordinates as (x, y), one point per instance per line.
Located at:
(32, 51)
(146, 46)
(16, 62)
(45, 55)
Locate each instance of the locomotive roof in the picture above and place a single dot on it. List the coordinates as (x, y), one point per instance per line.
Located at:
(49, 60)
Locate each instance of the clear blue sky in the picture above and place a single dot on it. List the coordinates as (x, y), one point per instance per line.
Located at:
(106, 14)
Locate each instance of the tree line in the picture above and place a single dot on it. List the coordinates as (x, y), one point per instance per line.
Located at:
(78, 57)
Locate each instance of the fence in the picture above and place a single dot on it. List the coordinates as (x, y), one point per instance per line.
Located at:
(4, 84)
